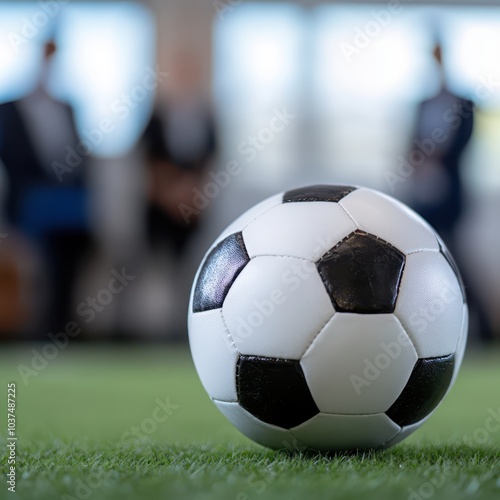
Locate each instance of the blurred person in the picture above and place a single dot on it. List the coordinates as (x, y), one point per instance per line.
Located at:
(443, 129)
(180, 143)
(37, 131)
(438, 190)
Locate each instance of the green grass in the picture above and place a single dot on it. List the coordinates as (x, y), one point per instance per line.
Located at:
(73, 417)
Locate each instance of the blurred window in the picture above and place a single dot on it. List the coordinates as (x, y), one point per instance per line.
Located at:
(352, 75)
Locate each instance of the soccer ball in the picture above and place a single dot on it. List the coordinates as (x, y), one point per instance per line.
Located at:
(328, 317)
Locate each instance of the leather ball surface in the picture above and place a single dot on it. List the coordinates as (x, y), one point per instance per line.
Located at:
(328, 317)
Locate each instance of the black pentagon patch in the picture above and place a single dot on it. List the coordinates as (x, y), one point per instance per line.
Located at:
(274, 390)
(453, 265)
(220, 269)
(426, 387)
(362, 274)
(332, 193)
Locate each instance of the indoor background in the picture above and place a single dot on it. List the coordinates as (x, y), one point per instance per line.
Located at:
(167, 95)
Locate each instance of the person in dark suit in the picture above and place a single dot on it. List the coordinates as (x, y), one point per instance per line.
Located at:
(180, 142)
(37, 132)
(438, 190)
(443, 130)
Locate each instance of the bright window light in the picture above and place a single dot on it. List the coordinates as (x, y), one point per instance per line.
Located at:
(474, 55)
(105, 51)
(357, 112)
(352, 61)
(257, 64)
(257, 52)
